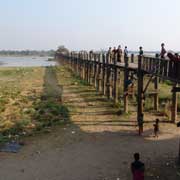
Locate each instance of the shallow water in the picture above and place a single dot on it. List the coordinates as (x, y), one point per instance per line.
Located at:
(25, 62)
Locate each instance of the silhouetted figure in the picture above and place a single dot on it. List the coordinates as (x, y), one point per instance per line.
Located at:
(125, 52)
(141, 51)
(109, 53)
(114, 54)
(163, 51)
(156, 128)
(156, 55)
(137, 168)
(119, 54)
(174, 65)
(177, 55)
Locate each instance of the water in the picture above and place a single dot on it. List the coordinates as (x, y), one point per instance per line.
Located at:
(25, 62)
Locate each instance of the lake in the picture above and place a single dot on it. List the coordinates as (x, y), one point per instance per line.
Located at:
(10, 61)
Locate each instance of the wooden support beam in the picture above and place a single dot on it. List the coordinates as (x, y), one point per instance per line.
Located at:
(132, 58)
(103, 82)
(115, 85)
(126, 76)
(140, 115)
(108, 76)
(98, 88)
(95, 71)
(156, 95)
(174, 106)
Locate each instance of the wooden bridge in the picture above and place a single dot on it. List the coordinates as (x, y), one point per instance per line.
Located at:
(105, 72)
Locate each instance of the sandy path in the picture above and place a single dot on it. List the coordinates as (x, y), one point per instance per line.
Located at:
(93, 147)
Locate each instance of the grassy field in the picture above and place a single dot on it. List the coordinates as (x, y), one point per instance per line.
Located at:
(30, 100)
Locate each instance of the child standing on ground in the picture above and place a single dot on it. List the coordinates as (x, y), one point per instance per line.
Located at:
(156, 128)
(137, 168)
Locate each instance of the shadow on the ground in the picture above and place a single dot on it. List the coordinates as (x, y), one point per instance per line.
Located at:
(50, 110)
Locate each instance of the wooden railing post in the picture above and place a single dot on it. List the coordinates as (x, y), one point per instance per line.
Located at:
(108, 74)
(95, 70)
(99, 73)
(115, 87)
(103, 82)
(132, 58)
(156, 97)
(90, 68)
(140, 115)
(174, 105)
(126, 76)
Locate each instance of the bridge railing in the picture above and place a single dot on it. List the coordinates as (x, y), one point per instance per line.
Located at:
(164, 68)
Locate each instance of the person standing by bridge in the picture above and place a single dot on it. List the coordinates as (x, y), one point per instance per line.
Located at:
(114, 55)
(141, 52)
(119, 54)
(125, 52)
(109, 54)
(163, 51)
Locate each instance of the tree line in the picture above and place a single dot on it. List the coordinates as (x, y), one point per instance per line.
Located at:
(27, 53)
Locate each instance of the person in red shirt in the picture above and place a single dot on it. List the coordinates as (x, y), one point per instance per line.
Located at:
(137, 168)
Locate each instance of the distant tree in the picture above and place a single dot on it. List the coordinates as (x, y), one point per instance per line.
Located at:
(62, 50)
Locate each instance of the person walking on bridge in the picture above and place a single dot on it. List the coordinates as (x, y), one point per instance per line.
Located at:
(125, 52)
(141, 51)
(109, 54)
(114, 55)
(163, 51)
(119, 54)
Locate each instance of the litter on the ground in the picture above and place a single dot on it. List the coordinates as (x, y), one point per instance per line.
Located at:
(11, 147)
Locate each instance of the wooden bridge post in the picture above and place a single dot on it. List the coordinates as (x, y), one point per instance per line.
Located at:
(90, 68)
(87, 68)
(80, 65)
(174, 104)
(95, 71)
(99, 73)
(132, 58)
(108, 76)
(115, 86)
(71, 60)
(74, 62)
(140, 115)
(103, 82)
(77, 64)
(156, 97)
(126, 76)
(83, 66)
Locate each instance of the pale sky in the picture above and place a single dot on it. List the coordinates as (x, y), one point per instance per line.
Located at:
(89, 24)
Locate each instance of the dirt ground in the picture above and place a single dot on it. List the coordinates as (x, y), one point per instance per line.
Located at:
(97, 144)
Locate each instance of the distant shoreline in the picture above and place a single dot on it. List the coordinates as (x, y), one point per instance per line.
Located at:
(2, 55)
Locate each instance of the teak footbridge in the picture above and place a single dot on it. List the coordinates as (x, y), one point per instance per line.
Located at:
(103, 70)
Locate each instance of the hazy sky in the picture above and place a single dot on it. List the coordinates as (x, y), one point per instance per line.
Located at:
(89, 24)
